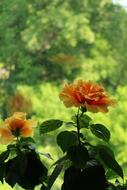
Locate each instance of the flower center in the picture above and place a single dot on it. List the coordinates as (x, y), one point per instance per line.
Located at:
(16, 132)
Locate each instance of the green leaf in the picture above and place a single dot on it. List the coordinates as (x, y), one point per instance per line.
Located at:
(110, 174)
(66, 139)
(110, 162)
(2, 171)
(35, 172)
(54, 175)
(78, 155)
(80, 134)
(61, 160)
(47, 155)
(25, 169)
(43, 187)
(106, 148)
(100, 131)
(27, 143)
(84, 121)
(4, 155)
(15, 168)
(11, 147)
(69, 124)
(50, 125)
(27, 140)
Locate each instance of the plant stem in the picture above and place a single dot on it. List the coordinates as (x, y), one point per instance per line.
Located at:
(18, 145)
(78, 127)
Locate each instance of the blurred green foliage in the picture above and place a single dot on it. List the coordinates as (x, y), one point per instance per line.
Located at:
(46, 43)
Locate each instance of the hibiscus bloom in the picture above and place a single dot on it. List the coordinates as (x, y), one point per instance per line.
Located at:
(86, 94)
(16, 126)
(19, 102)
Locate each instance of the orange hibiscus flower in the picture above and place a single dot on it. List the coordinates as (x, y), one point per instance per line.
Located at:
(16, 126)
(86, 94)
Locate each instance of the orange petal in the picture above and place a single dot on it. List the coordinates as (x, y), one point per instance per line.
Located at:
(26, 132)
(5, 135)
(19, 115)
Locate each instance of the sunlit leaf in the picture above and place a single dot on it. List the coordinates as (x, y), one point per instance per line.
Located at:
(47, 155)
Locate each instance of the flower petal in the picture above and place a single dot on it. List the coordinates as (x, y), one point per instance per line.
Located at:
(84, 93)
(5, 136)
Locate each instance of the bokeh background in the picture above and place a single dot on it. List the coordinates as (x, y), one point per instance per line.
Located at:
(45, 43)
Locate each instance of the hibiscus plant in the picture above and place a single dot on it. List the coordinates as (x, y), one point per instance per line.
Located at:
(20, 163)
(85, 165)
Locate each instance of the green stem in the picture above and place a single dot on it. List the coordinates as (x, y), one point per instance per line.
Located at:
(78, 127)
(18, 145)
(17, 139)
